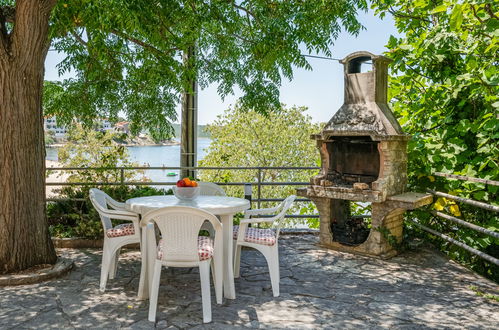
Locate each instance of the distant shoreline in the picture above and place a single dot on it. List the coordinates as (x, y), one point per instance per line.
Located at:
(140, 144)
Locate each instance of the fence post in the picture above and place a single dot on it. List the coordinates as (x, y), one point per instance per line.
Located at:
(248, 192)
(122, 176)
(259, 192)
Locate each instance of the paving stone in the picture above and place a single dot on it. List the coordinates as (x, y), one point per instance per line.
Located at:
(320, 289)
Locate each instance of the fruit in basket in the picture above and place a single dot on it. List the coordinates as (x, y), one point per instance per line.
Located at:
(186, 182)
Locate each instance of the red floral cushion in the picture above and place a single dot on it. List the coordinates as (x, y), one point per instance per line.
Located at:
(121, 230)
(205, 248)
(257, 235)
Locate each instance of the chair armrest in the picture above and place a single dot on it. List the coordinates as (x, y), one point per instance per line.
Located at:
(261, 211)
(257, 220)
(121, 215)
(117, 205)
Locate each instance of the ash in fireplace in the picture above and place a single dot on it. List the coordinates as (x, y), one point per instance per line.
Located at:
(353, 231)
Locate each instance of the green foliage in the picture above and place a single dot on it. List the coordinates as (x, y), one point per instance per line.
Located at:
(444, 90)
(246, 138)
(128, 55)
(49, 137)
(88, 148)
(75, 216)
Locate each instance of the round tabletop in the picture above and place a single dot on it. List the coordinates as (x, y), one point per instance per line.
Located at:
(218, 205)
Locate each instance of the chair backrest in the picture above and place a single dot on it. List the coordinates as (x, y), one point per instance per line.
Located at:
(210, 189)
(179, 227)
(99, 200)
(282, 209)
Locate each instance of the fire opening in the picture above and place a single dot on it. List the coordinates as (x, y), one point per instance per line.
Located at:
(353, 159)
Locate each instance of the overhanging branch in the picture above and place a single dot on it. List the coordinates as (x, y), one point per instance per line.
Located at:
(143, 44)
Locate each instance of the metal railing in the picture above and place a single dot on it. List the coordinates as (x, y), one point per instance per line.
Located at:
(259, 183)
(461, 222)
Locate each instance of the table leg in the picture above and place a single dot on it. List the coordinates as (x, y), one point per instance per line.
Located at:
(148, 242)
(143, 282)
(229, 289)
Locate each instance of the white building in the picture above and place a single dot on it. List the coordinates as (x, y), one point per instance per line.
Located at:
(105, 125)
(50, 125)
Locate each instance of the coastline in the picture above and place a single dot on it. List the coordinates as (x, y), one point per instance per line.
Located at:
(131, 144)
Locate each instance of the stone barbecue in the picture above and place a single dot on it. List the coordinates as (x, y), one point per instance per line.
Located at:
(363, 159)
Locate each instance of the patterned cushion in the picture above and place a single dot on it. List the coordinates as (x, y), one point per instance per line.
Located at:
(205, 248)
(121, 230)
(257, 235)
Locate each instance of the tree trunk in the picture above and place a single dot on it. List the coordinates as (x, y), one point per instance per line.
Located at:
(24, 236)
(189, 123)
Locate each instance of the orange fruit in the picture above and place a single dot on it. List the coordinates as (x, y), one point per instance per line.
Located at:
(187, 182)
(194, 183)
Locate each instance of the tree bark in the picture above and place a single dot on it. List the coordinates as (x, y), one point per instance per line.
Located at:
(189, 123)
(24, 235)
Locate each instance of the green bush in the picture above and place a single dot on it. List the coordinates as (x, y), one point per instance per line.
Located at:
(73, 217)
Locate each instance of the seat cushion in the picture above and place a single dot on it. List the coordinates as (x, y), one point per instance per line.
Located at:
(257, 235)
(205, 248)
(121, 230)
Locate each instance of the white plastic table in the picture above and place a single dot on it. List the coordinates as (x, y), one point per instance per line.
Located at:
(222, 206)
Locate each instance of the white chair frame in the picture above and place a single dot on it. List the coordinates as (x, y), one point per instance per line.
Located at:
(270, 252)
(112, 245)
(210, 189)
(179, 227)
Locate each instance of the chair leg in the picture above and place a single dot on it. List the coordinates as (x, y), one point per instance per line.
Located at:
(114, 264)
(153, 294)
(272, 256)
(217, 271)
(105, 265)
(237, 260)
(204, 273)
(214, 277)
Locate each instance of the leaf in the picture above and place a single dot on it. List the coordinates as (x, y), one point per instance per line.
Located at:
(456, 17)
(439, 9)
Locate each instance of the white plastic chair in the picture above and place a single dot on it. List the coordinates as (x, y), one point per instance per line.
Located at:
(114, 237)
(210, 189)
(264, 240)
(181, 246)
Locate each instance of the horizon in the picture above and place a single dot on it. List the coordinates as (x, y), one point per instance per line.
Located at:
(320, 89)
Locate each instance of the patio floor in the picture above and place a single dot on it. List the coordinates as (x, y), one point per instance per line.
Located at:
(319, 289)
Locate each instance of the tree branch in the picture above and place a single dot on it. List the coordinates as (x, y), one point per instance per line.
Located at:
(79, 38)
(244, 9)
(475, 14)
(489, 10)
(142, 43)
(404, 15)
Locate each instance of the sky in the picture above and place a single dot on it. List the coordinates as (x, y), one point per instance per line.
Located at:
(320, 90)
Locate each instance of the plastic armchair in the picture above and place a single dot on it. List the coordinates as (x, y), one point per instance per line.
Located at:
(180, 246)
(114, 237)
(210, 189)
(263, 240)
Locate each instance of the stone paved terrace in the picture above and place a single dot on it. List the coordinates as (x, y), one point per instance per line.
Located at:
(319, 289)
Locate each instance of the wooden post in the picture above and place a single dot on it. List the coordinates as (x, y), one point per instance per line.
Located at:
(189, 121)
